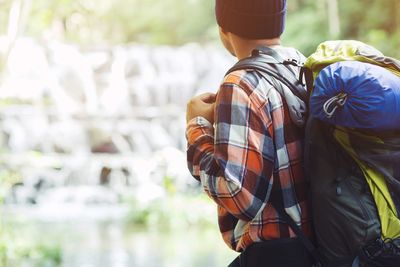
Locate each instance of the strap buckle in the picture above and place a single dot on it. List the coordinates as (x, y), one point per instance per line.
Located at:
(292, 62)
(374, 249)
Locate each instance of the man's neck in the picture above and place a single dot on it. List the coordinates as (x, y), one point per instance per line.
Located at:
(243, 48)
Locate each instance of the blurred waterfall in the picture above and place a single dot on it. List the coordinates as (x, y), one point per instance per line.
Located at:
(104, 120)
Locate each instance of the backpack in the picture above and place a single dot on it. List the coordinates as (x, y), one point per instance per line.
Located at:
(353, 192)
(363, 209)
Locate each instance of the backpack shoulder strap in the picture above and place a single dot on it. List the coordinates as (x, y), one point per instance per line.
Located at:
(269, 64)
(299, 233)
(305, 74)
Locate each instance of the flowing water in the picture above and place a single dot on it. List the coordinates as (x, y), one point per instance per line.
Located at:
(80, 130)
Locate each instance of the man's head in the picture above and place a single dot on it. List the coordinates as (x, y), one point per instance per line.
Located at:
(252, 20)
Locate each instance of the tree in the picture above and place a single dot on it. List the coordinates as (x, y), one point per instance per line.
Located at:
(17, 16)
(334, 20)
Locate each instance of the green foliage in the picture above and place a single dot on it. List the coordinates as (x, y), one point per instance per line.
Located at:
(175, 22)
(306, 26)
(4, 8)
(7, 179)
(122, 21)
(374, 22)
(177, 211)
(18, 247)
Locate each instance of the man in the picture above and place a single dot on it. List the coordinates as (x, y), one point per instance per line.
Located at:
(244, 147)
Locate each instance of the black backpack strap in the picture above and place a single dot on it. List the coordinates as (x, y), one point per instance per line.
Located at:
(310, 124)
(307, 75)
(305, 79)
(296, 229)
(269, 63)
(236, 262)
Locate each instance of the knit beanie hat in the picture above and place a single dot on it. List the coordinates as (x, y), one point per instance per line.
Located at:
(252, 19)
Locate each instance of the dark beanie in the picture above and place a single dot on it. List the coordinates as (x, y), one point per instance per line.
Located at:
(252, 19)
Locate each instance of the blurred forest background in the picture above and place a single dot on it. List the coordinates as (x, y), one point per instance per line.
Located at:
(92, 101)
(176, 22)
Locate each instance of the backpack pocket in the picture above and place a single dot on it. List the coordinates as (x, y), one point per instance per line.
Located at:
(343, 209)
(367, 209)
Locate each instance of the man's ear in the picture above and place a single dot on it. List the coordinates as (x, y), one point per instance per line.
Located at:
(225, 37)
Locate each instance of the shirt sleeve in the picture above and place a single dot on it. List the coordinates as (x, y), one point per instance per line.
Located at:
(235, 163)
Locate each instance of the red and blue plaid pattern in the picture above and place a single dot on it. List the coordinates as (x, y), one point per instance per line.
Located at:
(253, 151)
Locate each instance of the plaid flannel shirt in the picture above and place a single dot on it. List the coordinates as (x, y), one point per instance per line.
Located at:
(253, 152)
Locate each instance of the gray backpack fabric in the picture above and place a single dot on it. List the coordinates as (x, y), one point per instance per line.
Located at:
(344, 213)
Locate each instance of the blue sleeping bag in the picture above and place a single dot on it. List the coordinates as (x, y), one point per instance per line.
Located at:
(357, 95)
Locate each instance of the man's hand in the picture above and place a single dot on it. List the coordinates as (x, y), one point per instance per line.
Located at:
(201, 105)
